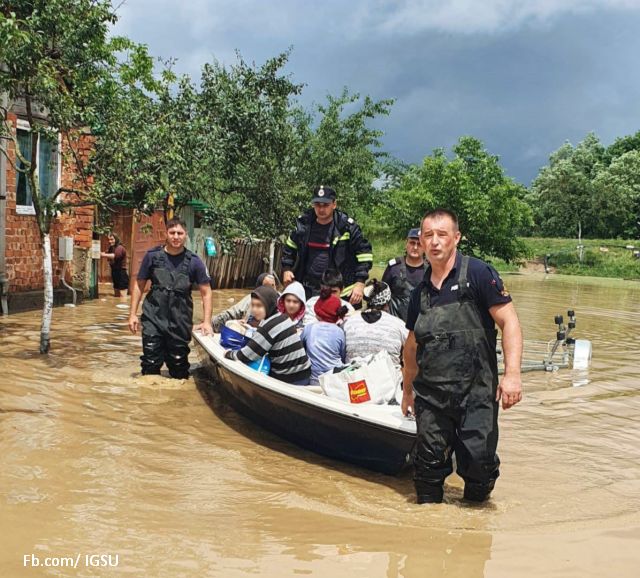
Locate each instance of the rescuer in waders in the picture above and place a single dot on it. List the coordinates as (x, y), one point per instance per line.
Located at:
(450, 364)
(403, 274)
(167, 311)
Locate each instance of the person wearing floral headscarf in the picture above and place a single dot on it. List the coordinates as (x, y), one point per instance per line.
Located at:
(375, 329)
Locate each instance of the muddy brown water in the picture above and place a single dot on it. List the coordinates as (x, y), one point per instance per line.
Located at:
(96, 460)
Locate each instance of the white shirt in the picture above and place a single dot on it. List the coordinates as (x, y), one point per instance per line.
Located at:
(388, 333)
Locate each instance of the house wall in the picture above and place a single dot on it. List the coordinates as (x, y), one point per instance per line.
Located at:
(23, 244)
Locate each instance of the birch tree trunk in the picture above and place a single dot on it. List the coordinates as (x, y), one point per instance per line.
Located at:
(48, 294)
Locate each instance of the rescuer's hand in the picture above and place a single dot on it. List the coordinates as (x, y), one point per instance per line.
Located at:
(407, 401)
(288, 277)
(509, 390)
(134, 324)
(357, 293)
(204, 328)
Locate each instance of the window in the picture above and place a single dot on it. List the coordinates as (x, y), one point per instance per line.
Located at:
(48, 168)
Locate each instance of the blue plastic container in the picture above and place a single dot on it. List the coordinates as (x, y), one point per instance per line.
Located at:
(263, 365)
(230, 339)
(210, 247)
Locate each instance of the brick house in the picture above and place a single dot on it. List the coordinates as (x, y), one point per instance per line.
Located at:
(21, 269)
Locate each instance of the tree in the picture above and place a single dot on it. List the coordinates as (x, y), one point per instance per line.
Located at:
(589, 188)
(251, 146)
(490, 206)
(147, 147)
(341, 149)
(55, 56)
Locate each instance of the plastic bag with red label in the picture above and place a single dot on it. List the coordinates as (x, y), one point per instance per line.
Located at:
(372, 379)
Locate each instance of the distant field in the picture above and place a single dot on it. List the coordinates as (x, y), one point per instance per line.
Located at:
(614, 260)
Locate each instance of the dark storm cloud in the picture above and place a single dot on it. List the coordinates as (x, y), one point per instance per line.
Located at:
(522, 76)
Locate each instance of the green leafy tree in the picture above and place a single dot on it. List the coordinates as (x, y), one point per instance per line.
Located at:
(588, 188)
(57, 60)
(55, 57)
(490, 205)
(250, 146)
(343, 150)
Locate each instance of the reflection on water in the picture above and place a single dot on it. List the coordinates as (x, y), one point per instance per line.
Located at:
(97, 459)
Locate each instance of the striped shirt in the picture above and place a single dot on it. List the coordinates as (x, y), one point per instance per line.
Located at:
(388, 333)
(277, 338)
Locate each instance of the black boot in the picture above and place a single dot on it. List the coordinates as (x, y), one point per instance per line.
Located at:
(427, 494)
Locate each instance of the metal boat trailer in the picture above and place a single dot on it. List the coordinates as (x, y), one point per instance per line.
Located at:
(563, 352)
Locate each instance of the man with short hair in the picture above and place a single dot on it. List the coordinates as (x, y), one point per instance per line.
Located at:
(404, 274)
(326, 238)
(167, 312)
(450, 364)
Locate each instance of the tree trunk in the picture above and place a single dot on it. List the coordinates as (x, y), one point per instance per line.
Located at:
(48, 294)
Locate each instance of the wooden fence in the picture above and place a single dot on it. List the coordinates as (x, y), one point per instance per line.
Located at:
(241, 267)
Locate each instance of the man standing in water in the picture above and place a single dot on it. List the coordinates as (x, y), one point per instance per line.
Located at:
(326, 238)
(167, 312)
(403, 274)
(450, 364)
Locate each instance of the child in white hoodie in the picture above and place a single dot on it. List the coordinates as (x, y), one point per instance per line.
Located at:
(292, 303)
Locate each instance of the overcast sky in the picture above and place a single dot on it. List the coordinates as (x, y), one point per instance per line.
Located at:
(522, 75)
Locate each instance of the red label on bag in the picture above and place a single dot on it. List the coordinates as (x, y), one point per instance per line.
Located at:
(358, 392)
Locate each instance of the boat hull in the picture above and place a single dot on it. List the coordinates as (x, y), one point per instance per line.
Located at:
(335, 435)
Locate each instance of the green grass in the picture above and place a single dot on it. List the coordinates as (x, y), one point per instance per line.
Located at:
(616, 262)
(600, 258)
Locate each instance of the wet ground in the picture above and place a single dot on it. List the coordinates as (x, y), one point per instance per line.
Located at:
(96, 460)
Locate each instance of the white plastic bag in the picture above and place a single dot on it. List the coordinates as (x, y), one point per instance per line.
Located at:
(373, 379)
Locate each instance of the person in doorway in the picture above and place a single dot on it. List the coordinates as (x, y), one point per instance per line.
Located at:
(326, 238)
(375, 329)
(116, 255)
(403, 274)
(241, 309)
(331, 280)
(450, 380)
(167, 311)
(292, 303)
(324, 340)
(276, 337)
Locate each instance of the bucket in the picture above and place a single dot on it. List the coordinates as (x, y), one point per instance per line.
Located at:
(230, 339)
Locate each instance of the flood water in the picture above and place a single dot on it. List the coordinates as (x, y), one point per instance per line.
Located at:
(95, 459)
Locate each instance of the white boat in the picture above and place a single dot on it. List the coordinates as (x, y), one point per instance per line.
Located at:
(377, 437)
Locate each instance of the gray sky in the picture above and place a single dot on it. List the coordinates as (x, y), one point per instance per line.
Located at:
(522, 75)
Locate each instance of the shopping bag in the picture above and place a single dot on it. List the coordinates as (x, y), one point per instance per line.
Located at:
(373, 379)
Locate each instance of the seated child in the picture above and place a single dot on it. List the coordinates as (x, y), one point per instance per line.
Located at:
(276, 337)
(332, 280)
(292, 303)
(241, 309)
(324, 340)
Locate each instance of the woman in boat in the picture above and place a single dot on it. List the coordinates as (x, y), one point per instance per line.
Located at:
(242, 308)
(276, 337)
(375, 328)
(325, 340)
(333, 281)
(292, 303)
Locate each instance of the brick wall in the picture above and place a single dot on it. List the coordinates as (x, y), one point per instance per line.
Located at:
(23, 245)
